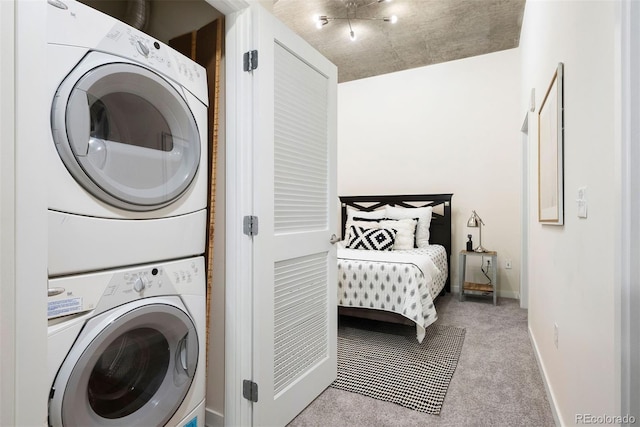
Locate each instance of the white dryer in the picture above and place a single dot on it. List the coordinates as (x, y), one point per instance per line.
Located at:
(127, 162)
(127, 346)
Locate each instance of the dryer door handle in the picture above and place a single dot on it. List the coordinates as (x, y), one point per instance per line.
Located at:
(187, 354)
(52, 292)
(78, 121)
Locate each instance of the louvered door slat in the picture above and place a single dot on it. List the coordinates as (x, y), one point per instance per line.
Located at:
(300, 146)
(300, 317)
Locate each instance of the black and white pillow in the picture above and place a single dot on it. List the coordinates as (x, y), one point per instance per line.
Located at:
(376, 239)
(405, 229)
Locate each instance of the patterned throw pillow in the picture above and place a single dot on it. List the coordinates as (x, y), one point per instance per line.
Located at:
(405, 229)
(371, 239)
(362, 215)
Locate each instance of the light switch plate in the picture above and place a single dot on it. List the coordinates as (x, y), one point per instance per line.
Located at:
(582, 202)
(582, 193)
(582, 209)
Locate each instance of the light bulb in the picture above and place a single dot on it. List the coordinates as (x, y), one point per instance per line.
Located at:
(320, 20)
(352, 35)
(394, 19)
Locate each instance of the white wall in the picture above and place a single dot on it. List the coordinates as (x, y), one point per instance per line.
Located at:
(446, 128)
(572, 268)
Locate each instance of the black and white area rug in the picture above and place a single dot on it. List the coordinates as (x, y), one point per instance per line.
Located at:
(396, 368)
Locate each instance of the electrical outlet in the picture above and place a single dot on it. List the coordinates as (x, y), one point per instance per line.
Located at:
(507, 264)
(555, 335)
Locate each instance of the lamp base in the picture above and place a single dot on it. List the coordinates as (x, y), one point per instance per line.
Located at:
(480, 249)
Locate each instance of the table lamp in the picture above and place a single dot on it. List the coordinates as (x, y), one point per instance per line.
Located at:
(476, 221)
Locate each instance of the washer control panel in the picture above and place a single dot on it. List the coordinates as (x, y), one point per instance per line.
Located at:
(104, 290)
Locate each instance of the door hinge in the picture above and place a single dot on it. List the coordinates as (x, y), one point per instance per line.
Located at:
(250, 390)
(250, 225)
(250, 60)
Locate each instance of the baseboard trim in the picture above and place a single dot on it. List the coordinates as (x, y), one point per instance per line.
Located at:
(545, 381)
(509, 294)
(213, 418)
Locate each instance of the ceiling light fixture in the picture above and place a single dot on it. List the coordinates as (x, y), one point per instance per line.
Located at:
(352, 15)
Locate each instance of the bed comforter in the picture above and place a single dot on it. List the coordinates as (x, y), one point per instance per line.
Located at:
(401, 281)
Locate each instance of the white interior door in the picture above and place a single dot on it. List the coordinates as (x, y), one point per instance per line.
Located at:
(294, 267)
(524, 221)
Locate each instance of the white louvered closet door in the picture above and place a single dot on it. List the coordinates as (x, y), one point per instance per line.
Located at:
(295, 278)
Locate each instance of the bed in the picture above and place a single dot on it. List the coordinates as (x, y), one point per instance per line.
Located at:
(390, 267)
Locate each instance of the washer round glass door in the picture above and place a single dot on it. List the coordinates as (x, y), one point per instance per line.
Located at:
(133, 368)
(126, 135)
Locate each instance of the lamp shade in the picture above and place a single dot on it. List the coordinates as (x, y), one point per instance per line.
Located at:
(476, 222)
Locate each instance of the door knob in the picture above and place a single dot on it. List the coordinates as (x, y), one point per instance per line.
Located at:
(334, 239)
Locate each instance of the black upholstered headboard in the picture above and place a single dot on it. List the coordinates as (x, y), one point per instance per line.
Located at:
(440, 229)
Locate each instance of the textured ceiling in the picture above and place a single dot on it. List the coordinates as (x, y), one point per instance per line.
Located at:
(427, 32)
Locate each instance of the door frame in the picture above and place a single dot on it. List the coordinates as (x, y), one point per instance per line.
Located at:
(23, 214)
(627, 298)
(7, 215)
(524, 216)
(239, 176)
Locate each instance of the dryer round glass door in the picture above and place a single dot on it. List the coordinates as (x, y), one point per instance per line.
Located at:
(127, 368)
(125, 134)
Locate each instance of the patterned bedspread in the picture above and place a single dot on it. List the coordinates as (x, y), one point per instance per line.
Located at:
(404, 282)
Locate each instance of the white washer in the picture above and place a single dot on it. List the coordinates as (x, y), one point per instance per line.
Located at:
(127, 162)
(127, 346)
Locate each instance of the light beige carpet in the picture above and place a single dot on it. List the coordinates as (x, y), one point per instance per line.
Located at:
(497, 381)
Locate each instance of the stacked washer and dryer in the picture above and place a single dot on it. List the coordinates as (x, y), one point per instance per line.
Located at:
(127, 176)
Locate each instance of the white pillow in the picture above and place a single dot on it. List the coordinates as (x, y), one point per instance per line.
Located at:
(405, 232)
(377, 214)
(424, 221)
(351, 213)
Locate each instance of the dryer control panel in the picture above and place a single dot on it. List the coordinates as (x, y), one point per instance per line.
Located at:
(130, 43)
(147, 50)
(104, 290)
(72, 23)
